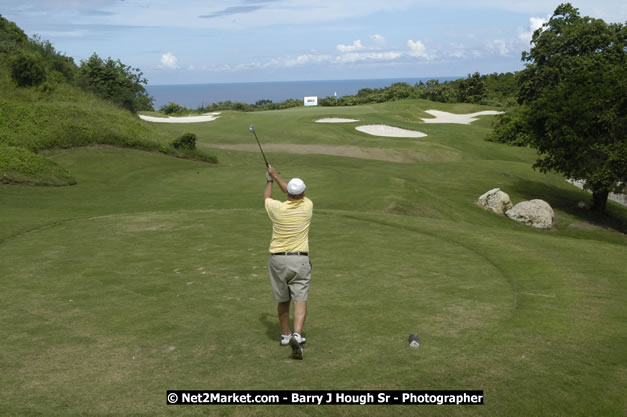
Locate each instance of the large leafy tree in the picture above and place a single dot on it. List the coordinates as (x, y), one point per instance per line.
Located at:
(573, 93)
(115, 81)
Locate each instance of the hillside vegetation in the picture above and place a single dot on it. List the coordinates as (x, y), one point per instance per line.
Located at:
(47, 101)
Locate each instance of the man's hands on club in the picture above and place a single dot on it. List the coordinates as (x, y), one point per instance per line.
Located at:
(272, 173)
(269, 178)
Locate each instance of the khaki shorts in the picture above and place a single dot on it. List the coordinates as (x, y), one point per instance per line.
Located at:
(290, 276)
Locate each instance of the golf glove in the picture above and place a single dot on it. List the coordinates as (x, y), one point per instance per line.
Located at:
(269, 178)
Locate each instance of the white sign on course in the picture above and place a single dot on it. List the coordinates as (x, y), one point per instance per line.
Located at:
(311, 101)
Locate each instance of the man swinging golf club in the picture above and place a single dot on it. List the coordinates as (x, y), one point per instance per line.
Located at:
(289, 265)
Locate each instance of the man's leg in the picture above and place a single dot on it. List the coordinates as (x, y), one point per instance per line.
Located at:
(283, 310)
(300, 314)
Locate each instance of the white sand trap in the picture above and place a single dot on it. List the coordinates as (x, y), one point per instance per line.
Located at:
(390, 131)
(336, 120)
(462, 119)
(207, 117)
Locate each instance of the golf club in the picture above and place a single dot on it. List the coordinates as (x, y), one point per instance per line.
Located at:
(252, 129)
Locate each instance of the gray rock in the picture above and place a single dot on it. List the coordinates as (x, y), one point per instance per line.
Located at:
(535, 213)
(496, 201)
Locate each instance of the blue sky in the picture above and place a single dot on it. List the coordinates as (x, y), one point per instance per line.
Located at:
(191, 41)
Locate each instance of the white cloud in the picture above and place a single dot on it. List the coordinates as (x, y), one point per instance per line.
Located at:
(457, 53)
(353, 57)
(534, 24)
(417, 49)
(356, 46)
(379, 40)
(498, 46)
(307, 59)
(168, 61)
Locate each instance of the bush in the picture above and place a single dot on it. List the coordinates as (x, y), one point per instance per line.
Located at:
(172, 108)
(185, 142)
(11, 36)
(27, 70)
(54, 61)
(510, 128)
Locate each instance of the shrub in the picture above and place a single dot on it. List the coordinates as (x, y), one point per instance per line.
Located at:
(27, 70)
(186, 142)
(11, 36)
(510, 128)
(172, 108)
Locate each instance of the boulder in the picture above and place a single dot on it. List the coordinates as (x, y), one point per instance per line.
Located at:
(495, 200)
(535, 213)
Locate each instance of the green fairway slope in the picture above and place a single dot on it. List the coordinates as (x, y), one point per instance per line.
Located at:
(151, 274)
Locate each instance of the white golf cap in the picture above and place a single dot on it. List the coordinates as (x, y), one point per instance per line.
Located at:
(296, 186)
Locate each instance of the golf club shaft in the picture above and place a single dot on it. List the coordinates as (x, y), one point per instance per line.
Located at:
(260, 148)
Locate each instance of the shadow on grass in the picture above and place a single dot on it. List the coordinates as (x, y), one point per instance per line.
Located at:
(566, 200)
(272, 325)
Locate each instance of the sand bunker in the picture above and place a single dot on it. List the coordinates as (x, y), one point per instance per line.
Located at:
(390, 132)
(390, 155)
(336, 120)
(207, 117)
(462, 119)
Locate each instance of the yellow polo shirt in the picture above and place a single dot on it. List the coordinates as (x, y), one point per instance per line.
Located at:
(290, 224)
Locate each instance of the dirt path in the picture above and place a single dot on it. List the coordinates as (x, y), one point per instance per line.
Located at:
(379, 154)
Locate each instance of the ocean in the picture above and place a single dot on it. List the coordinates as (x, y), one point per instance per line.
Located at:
(195, 95)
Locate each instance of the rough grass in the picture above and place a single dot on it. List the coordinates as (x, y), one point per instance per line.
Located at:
(66, 117)
(151, 274)
(20, 166)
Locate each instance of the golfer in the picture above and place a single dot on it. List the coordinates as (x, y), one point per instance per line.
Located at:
(289, 266)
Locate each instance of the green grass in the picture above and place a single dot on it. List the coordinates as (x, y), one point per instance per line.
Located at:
(66, 117)
(20, 166)
(151, 274)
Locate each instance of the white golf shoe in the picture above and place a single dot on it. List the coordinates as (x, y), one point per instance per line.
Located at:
(285, 339)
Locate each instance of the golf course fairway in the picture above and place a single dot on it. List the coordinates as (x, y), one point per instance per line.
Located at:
(150, 274)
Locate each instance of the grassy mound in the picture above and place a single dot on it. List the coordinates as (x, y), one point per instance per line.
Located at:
(68, 117)
(21, 166)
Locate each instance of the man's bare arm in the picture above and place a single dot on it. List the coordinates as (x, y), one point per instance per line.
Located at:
(267, 193)
(275, 175)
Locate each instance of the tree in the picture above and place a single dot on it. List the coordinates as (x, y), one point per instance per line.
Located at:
(27, 69)
(573, 93)
(115, 81)
(11, 36)
(472, 89)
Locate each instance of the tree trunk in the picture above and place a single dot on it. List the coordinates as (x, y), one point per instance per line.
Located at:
(599, 200)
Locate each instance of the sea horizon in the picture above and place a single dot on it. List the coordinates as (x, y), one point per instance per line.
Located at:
(199, 94)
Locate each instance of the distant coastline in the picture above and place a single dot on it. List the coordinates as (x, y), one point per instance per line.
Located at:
(195, 95)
